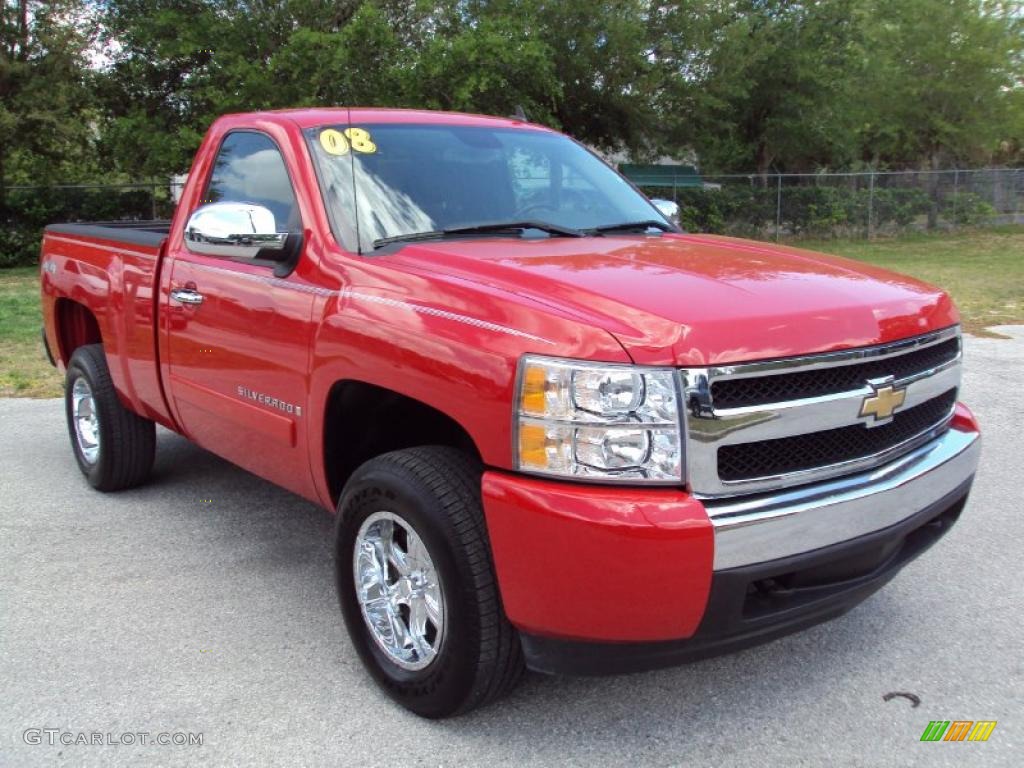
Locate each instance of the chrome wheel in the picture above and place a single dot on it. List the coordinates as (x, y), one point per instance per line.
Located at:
(399, 590)
(87, 425)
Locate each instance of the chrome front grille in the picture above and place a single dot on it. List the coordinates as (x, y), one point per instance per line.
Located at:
(756, 427)
(734, 393)
(768, 458)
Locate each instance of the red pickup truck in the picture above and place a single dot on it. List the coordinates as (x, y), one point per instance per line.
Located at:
(558, 433)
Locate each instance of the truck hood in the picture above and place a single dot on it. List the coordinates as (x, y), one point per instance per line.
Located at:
(697, 299)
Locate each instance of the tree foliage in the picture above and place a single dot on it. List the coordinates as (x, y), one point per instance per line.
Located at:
(778, 93)
(128, 87)
(48, 114)
(942, 81)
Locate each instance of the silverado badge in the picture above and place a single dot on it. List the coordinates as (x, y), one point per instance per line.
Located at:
(883, 401)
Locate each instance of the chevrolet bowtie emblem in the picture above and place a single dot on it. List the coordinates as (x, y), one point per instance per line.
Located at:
(883, 402)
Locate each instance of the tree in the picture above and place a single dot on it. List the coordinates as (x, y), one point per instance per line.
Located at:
(768, 82)
(491, 66)
(177, 64)
(46, 126)
(357, 63)
(47, 117)
(604, 75)
(747, 84)
(180, 64)
(942, 82)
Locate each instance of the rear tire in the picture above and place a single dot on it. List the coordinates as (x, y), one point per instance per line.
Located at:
(114, 447)
(430, 498)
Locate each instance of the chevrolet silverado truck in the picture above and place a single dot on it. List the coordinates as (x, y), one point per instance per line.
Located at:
(557, 432)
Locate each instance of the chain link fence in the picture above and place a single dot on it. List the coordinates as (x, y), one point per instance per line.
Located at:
(849, 205)
(770, 207)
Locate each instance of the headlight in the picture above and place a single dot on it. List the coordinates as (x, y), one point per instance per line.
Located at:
(611, 423)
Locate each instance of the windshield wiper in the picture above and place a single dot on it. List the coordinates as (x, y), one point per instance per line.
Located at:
(554, 230)
(412, 237)
(629, 226)
(500, 226)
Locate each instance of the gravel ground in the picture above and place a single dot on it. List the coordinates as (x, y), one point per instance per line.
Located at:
(204, 603)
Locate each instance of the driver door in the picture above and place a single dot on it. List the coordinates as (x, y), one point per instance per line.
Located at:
(238, 336)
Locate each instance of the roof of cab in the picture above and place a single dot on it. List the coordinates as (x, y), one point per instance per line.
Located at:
(314, 116)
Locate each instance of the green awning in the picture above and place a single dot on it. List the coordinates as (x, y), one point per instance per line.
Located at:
(661, 175)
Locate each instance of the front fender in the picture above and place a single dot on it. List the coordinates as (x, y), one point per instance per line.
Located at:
(456, 353)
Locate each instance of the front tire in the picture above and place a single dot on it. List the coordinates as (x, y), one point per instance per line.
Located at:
(416, 582)
(114, 447)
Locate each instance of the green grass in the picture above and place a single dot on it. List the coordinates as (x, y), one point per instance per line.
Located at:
(24, 369)
(983, 270)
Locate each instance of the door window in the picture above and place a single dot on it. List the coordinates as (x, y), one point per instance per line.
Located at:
(249, 169)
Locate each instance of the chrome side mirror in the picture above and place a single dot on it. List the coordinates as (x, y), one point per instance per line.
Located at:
(241, 230)
(668, 209)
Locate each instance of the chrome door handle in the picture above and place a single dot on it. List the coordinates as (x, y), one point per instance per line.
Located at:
(187, 296)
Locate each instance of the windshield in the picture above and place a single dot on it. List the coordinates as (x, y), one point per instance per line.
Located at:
(415, 179)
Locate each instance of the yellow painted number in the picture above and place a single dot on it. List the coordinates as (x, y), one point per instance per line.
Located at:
(334, 142)
(337, 142)
(361, 141)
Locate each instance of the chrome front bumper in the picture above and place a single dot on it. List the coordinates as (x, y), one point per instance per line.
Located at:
(770, 526)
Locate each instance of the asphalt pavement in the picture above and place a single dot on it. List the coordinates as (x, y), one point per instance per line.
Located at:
(203, 604)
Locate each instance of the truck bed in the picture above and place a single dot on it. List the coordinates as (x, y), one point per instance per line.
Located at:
(111, 269)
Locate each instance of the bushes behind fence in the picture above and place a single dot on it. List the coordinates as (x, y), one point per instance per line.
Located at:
(816, 211)
(26, 211)
(738, 208)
